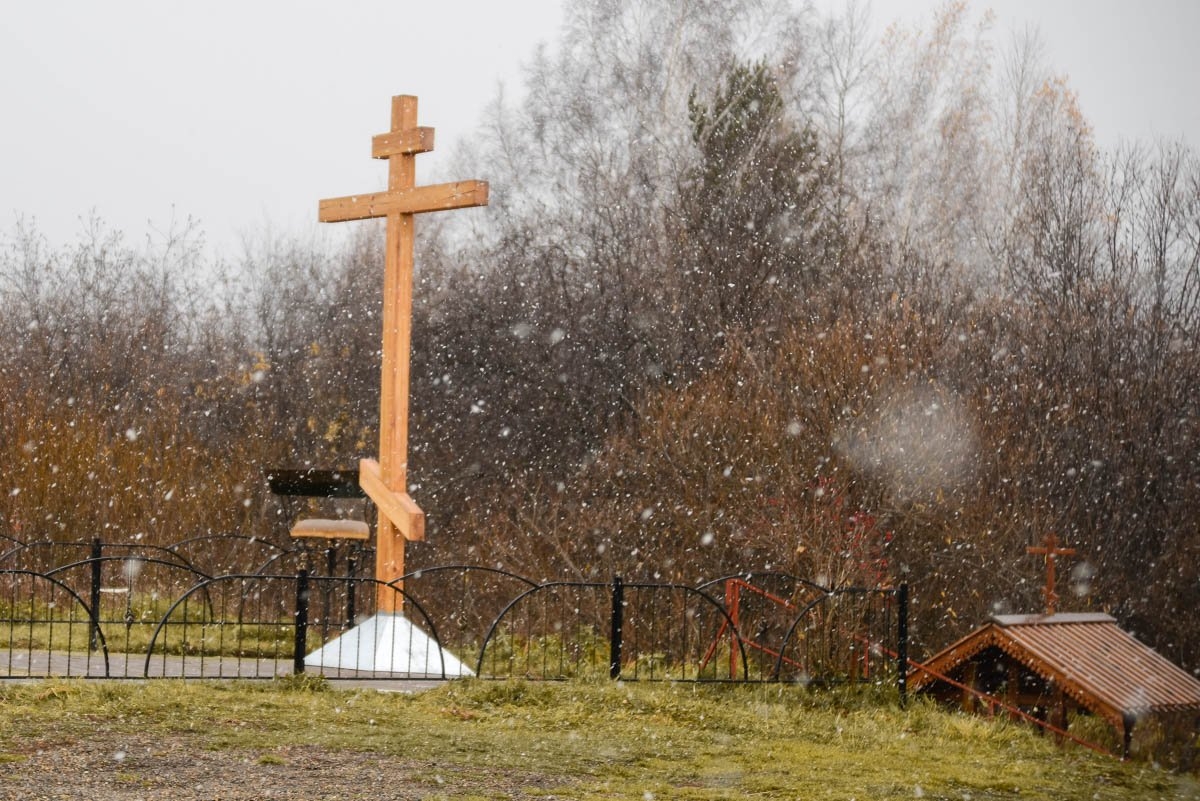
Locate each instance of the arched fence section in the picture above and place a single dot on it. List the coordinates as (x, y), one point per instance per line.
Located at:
(238, 626)
(129, 612)
(796, 630)
(47, 629)
(633, 631)
(126, 596)
(848, 634)
(49, 555)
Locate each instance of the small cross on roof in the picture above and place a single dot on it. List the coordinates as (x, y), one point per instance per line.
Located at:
(1051, 550)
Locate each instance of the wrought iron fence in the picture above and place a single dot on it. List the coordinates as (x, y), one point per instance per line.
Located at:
(126, 611)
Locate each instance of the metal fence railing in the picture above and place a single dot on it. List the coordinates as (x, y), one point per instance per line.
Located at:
(149, 612)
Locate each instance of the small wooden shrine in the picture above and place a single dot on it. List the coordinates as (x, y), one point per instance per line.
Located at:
(1054, 664)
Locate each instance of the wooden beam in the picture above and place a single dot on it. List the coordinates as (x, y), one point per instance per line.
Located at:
(330, 529)
(398, 507)
(314, 483)
(392, 467)
(970, 682)
(402, 143)
(436, 197)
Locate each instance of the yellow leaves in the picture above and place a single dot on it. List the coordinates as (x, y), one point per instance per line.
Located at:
(255, 372)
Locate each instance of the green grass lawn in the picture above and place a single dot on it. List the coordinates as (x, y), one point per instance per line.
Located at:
(602, 739)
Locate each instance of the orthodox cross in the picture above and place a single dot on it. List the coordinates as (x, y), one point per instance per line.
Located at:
(1051, 550)
(386, 481)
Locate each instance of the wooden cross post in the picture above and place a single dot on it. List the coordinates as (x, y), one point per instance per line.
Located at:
(386, 481)
(1051, 550)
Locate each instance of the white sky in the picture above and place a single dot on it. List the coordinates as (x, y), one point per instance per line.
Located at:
(243, 114)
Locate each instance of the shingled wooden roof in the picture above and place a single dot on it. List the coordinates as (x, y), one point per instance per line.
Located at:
(1102, 667)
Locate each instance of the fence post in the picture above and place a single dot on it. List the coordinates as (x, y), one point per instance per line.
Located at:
(94, 623)
(902, 644)
(618, 618)
(301, 621)
(352, 574)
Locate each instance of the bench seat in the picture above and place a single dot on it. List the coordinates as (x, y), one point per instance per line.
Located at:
(317, 528)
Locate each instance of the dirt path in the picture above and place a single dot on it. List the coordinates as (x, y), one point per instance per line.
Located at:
(179, 768)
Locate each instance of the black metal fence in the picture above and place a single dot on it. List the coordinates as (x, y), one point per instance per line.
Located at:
(115, 610)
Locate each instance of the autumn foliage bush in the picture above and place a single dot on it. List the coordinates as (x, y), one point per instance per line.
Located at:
(898, 448)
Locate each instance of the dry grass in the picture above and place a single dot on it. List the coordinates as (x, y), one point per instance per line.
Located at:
(591, 740)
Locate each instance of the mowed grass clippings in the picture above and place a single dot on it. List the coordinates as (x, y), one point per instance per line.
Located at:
(600, 739)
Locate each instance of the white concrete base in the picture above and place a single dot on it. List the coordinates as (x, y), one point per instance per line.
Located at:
(388, 643)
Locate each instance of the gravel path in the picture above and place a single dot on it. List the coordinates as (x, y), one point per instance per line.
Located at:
(179, 768)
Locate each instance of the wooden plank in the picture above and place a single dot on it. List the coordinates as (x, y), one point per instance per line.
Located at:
(402, 143)
(418, 200)
(389, 566)
(398, 507)
(397, 324)
(313, 483)
(396, 339)
(330, 529)
(397, 315)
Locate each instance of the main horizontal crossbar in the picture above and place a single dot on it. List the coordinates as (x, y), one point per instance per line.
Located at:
(436, 197)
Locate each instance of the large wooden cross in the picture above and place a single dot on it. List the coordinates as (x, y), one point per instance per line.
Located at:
(386, 481)
(1051, 550)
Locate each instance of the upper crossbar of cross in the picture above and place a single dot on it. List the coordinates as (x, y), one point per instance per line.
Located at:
(400, 146)
(1051, 550)
(385, 481)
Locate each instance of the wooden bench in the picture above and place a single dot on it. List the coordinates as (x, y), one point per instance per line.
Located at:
(321, 484)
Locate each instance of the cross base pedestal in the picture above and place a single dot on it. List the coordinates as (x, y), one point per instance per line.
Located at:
(388, 643)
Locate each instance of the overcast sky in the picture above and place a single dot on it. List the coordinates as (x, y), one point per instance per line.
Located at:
(242, 115)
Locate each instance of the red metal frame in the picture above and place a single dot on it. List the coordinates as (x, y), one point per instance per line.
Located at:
(733, 597)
